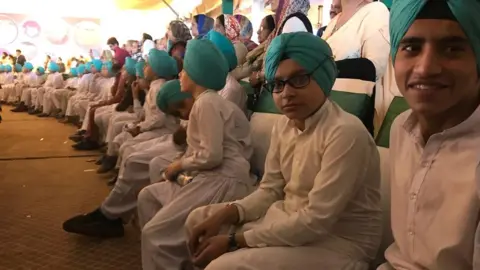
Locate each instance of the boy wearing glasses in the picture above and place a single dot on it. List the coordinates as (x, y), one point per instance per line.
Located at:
(318, 204)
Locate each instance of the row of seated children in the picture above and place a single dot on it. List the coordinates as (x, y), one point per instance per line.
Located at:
(318, 205)
(202, 143)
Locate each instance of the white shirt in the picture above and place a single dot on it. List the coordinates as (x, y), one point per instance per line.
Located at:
(218, 138)
(154, 118)
(434, 201)
(321, 187)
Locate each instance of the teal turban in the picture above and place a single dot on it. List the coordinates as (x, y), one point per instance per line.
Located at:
(130, 66)
(404, 13)
(80, 69)
(53, 67)
(28, 66)
(139, 68)
(73, 72)
(88, 66)
(41, 70)
(8, 68)
(309, 51)
(225, 46)
(97, 64)
(18, 67)
(162, 64)
(205, 64)
(170, 93)
(108, 65)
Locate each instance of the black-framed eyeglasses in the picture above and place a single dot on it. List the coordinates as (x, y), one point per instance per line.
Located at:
(298, 81)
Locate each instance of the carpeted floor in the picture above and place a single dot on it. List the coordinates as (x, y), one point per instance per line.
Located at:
(42, 183)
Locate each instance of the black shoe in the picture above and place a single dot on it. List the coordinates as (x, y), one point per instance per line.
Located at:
(100, 160)
(108, 164)
(86, 145)
(94, 224)
(20, 108)
(43, 115)
(78, 136)
(112, 181)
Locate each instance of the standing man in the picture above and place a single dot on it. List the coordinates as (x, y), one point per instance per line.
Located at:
(120, 54)
(20, 58)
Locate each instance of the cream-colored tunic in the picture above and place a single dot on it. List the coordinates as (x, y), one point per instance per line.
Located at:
(234, 92)
(219, 149)
(434, 201)
(320, 194)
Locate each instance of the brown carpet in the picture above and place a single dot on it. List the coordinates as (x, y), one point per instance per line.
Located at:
(42, 183)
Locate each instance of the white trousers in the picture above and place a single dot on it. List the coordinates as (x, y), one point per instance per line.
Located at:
(47, 103)
(126, 144)
(34, 96)
(163, 209)
(8, 92)
(115, 127)
(60, 98)
(19, 90)
(102, 120)
(72, 104)
(288, 258)
(122, 200)
(27, 96)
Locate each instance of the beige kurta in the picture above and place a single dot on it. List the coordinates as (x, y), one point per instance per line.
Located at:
(320, 194)
(434, 201)
(234, 92)
(220, 154)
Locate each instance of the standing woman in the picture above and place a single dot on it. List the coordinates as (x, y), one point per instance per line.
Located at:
(228, 26)
(254, 59)
(290, 16)
(177, 34)
(361, 31)
(201, 25)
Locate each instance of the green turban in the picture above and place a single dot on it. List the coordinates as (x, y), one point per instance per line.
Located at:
(307, 50)
(170, 93)
(162, 64)
(205, 64)
(139, 68)
(466, 12)
(130, 66)
(225, 46)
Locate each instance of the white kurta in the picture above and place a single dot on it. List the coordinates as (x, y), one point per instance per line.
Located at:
(434, 195)
(9, 89)
(46, 95)
(81, 95)
(320, 194)
(156, 124)
(27, 94)
(234, 92)
(60, 97)
(8, 81)
(29, 80)
(220, 155)
(38, 93)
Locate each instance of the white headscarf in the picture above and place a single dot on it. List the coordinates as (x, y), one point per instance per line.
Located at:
(146, 47)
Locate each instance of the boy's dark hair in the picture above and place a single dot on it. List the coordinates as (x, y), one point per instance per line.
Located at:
(116, 68)
(112, 41)
(19, 51)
